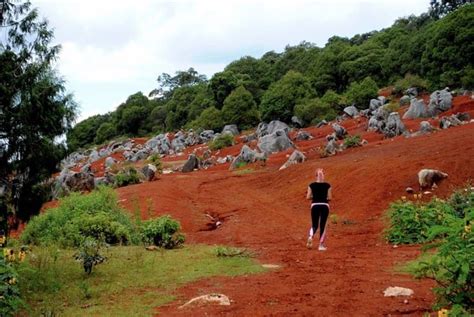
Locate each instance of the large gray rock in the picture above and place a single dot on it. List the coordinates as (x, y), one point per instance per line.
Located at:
(425, 127)
(69, 181)
(451, 121)
(191, 164)
(321, 123)
(416, 110)
(275, 125)
(339, 130)
(109, 161)
(231, 129)
(440, 101)
(303, 135)
(412, 92)
(295, 158)
(94, 156)
(297, 122)
(394, 126)
(104, 152)
(206, 136)
(331, 148)
(405, 100)
(149, 170)
(140, 155)
(191, 139)
(429, 177)
(247, 156)
(275, 142)
(351, 111)
(375, 104)
(86, 168)
(179, 143)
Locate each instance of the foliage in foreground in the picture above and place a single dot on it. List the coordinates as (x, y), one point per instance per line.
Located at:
(10, 300)
(447, 224)
(162, 232)
(132, 283)
(96, 215)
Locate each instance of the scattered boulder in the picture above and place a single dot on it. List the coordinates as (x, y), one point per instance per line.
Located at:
(297, 122)
(351, 111)
(463, 116)
(248, 138)
(427, 178)
(375, 104)
(440, 101)
(425, 127)
(412, 92)
(409, 190)
(397, 291)
(206, 136)
(295, 158)
(191, 139)
(215, 299)
(94, 156)
(447, 122)
(191, 164)
(394, 126)
(303, 135)
(140, 155)
(69, 181)
(331, 148)
(321, 123)
(179, 142)
(405, 100)
(149, 171)
(339, 130)
(417, 109)
(109, 161)
(275, 142)
(231, 129)
(86, 168)
(247, 155)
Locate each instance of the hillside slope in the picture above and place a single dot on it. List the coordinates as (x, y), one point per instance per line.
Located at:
(266, 211)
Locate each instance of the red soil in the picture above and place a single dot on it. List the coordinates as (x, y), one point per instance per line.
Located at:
(266, 211)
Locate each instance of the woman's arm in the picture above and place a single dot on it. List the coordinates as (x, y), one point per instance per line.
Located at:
(329, 194)
(309, 193)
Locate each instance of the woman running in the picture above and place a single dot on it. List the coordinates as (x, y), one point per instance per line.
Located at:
(320, 194)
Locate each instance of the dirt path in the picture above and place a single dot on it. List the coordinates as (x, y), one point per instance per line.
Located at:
(266, 212)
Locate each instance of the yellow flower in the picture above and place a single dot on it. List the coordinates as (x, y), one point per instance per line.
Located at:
(21, 256)
(6, 252)
(12, 281)
(467, 229)
(443, 312)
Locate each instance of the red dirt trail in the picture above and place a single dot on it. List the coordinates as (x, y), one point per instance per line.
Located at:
(266, 211)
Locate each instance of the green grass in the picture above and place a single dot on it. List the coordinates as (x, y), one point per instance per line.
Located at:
(133, 281)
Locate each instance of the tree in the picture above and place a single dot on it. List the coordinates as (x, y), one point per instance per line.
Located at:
(279, 100)
(105, 132)
(240, 109)
(441, 8)
(185, 78)
(210, 119)
(360, 93)
(34, 108)
(84, 132)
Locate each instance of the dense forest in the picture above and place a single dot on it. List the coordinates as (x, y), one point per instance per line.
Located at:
(305, 80)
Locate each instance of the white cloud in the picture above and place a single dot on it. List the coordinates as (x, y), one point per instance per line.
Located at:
(122, 46)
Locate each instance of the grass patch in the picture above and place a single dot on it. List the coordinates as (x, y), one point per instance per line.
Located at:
(133, 282)
(222, 251)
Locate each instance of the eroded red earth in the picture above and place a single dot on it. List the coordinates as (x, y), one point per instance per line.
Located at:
(265, 210)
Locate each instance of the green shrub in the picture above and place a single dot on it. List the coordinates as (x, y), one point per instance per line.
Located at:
(156, 160)
(360, 93)
(392, 107)
(314, 109)
(453, 265)
(162, 232)
(95, 215)
(409, 81)
(89, 254)
(10, 300)
(352, 141)
(127, 176)
(222, 141)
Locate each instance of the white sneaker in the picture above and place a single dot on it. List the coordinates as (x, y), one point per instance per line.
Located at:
(309, 243)
(322, 248)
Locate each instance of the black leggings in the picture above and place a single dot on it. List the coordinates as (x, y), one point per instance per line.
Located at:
(319, 216)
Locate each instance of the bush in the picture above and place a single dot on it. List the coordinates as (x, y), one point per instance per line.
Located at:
(162, 232)
(127, 176)
(360, 93)
(96, 215)
(392, 107)
(222, 141)
(352, 141)
(89, 255)
(314, 109)
(410, 81)
(10, 301)
(156, 160)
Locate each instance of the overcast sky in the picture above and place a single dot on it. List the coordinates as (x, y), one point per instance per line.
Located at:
(114, 48)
